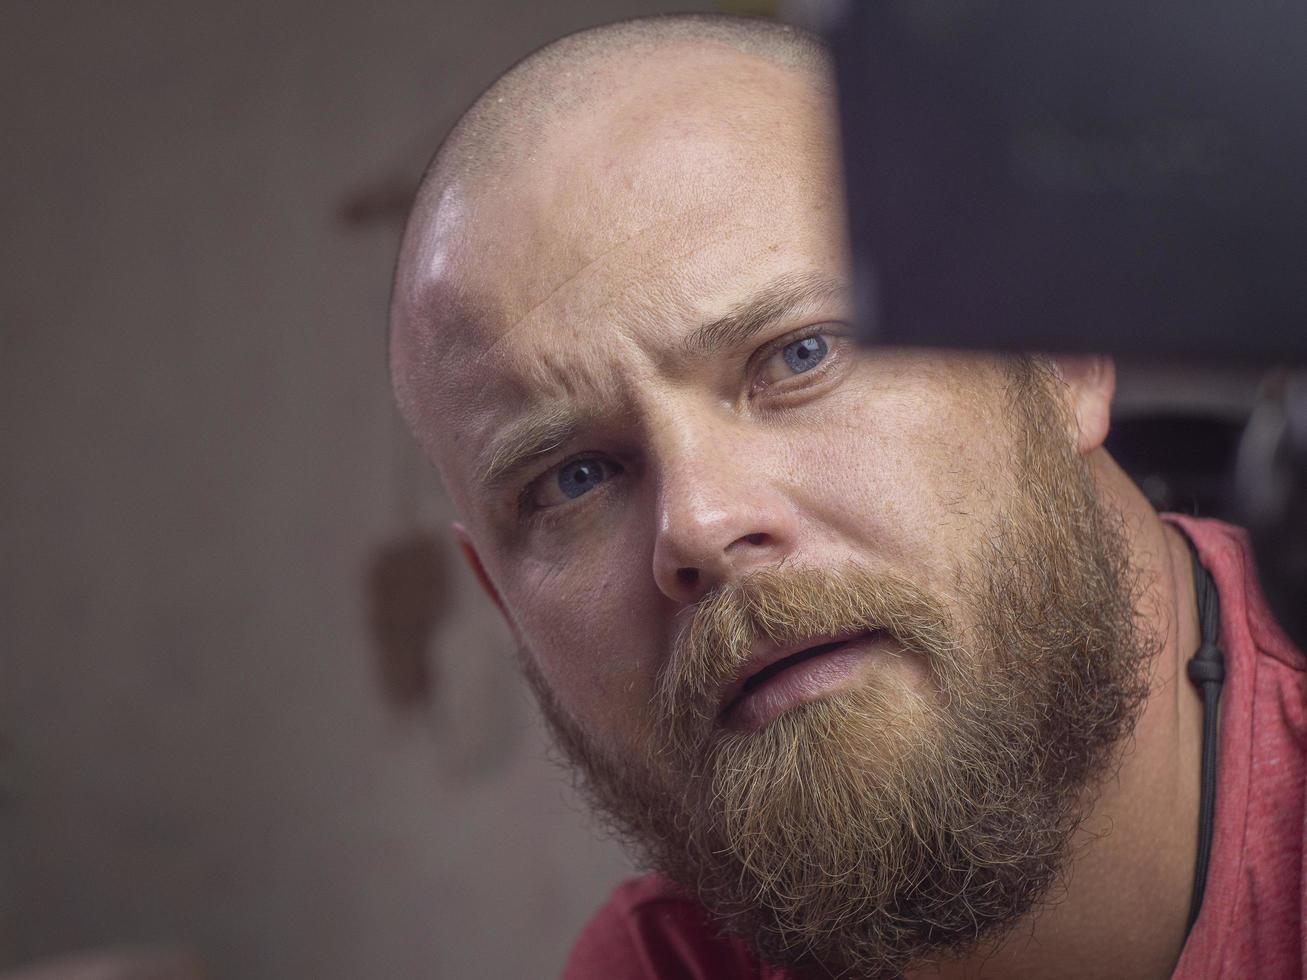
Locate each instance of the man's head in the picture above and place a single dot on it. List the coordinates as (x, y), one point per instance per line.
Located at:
(842, 640)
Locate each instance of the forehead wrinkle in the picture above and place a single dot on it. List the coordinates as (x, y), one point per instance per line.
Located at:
(582, 366)
(685, 223)
(566, 391)
(642, 316)
(608, 253)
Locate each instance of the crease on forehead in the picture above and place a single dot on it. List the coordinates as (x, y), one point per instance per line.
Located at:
(568, 395)
(608, 188)
(582, 357)
(553, 396)
(582, 350)
(615, 232)
(661, 252)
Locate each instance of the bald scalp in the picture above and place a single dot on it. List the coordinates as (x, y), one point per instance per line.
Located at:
(508, 120)
(505, 126)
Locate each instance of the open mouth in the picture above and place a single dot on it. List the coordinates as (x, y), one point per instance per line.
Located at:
(793, 660)
(795, 673)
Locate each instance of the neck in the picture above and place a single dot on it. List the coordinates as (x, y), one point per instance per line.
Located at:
(1125, 905)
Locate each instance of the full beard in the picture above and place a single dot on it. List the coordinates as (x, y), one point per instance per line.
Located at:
(897, 822)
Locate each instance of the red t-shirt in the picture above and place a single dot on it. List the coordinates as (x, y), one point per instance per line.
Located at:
(1251, 923)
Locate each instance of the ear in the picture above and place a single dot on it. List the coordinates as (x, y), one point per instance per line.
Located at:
(1091, 384)
(473, 560)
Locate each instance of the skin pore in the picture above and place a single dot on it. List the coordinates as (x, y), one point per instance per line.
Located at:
(597, 346)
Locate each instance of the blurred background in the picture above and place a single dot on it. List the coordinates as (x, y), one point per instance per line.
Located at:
(251, 705)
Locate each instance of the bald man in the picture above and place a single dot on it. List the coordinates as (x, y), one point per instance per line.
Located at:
(875, 657)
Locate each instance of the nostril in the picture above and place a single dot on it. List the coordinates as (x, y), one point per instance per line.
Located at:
(756, 539)
(687, 576)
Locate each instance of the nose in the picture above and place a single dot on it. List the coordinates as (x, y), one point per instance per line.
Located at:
(719, 516)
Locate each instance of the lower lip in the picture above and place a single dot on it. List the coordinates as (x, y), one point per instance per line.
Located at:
(809, 680)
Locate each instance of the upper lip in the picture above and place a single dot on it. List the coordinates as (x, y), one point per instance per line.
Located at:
(769, 653)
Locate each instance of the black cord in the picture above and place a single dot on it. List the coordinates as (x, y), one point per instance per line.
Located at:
(1206, 670)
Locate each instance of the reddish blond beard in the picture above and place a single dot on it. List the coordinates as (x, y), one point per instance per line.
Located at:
(897, 823)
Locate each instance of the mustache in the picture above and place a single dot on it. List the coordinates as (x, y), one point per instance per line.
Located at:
(787, 604)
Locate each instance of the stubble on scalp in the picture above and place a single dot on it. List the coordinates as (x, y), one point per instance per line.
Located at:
(898, 823)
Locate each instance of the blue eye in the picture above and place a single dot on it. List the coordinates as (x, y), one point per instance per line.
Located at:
(572, 479)
(804, 355)
(581, 476)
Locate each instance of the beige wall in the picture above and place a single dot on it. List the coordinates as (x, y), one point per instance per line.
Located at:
(198, 457)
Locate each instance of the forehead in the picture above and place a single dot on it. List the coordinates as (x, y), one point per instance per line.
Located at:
(709, 146)
(632, 225)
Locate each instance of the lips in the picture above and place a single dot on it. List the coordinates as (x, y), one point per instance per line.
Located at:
(773, 661)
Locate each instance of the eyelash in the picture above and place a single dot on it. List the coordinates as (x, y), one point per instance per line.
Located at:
(543, 516)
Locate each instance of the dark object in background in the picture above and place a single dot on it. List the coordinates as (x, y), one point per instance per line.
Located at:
(1271, 484)
(1181, 462)
(385, 201)
(407, 583)
(1120, 175)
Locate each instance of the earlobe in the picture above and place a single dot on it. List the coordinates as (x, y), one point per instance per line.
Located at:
(1091, 385)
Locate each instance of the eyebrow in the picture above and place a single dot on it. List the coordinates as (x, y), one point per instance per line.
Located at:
(533, 435)
(544, 428)
(782, 298)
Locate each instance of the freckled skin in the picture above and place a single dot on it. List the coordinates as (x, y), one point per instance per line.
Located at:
(708, 176)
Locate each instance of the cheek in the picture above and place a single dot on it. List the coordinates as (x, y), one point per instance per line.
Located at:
(908, 466)
(595, 628)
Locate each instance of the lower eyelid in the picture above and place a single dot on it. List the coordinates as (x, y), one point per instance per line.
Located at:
(544, 517)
